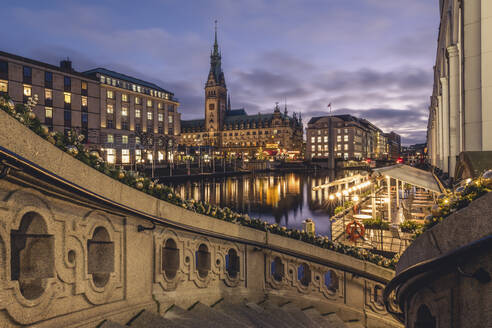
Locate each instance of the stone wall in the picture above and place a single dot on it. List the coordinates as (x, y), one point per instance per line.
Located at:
(450, 297)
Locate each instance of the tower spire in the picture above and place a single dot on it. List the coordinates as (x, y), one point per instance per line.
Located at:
(216, 45)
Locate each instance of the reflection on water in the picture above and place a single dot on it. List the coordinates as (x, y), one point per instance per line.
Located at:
(283, 198)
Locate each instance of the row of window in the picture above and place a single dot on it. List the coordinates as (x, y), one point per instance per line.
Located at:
(134, 87)
(138, 101)
(138, 113)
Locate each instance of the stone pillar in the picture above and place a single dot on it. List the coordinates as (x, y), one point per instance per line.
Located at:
(454, 107)
(445, 123)
(434, 136)
(473, 11)
(440, 133)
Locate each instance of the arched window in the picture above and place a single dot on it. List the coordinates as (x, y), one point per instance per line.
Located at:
(277, 269)
(100, 259)
(232, 263)
(32, 255)
(331, 281)
(170, 258)
(202, 260)
(304, 274)
(425, 318)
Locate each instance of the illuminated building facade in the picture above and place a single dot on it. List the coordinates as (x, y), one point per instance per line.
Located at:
(66, 99)
(138, 119)
(232, 131)
(346, 137)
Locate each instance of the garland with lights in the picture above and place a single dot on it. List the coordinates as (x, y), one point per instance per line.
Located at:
(72, 144)
(453, 201)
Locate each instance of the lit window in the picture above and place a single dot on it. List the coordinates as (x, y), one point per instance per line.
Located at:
(67, 97)
(339, 147)
(319, 139)
(160, 117)
(124, 139)
(149, 115)
(84, 85)
(124, 111)
(149, 103)
(313, 147)
(84, 101)
(125, 156)
(4, 86)
(345, 138)
(103, 79)
(345, 147)
(325, 139)
(345, 130)
(339, 138)
(159, 105)
(138, 101)
(48, 112)
(110, 155)
(109, 94)
(326, 147)
(138, 155)
(139, 89)
(134, 87)
(27, 91)
(160, 156)
(137, 113)
(48, 94)
(313, 139)
(124, 97)
(319, 132)
(137, 140)
(110, 138)
(339, 131)
(170, 118)
(320, 147)
(109, 109)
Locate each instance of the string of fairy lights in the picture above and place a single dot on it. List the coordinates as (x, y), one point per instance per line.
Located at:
(347, 191)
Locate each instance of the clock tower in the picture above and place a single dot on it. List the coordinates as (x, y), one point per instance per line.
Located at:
(215, 93)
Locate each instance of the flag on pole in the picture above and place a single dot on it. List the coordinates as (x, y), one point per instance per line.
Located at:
(329, 106)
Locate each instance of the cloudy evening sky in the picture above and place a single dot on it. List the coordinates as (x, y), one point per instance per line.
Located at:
(370, 58)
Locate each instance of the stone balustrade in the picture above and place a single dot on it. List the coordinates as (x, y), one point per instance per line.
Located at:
(78, 248)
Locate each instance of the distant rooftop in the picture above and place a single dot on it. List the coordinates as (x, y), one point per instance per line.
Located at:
(119, 76)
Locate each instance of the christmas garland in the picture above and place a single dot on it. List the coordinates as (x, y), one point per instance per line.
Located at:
(72, 144)
(461, 197)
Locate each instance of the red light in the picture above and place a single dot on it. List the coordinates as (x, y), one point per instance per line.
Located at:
(368, 160)
(399, 160)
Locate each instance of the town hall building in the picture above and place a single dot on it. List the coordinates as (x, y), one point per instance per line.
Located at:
(232, 131)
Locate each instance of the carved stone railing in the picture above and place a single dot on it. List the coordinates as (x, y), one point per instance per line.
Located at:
(73, 251)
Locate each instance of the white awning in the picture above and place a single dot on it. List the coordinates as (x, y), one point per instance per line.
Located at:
(410, 175)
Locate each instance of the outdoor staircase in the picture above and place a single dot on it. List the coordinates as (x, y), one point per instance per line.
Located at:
(265, 314)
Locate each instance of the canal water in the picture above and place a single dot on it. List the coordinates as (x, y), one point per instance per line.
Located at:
(285, 198)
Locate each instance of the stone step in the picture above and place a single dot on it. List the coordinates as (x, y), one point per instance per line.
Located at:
(281, 314)
(147, 319)
(354, 324)
(244, 314)
(220, 319)
(328, 320)
(110, 324)
(334, 320)
(300, 316)
(267, 316)
(186, 318)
